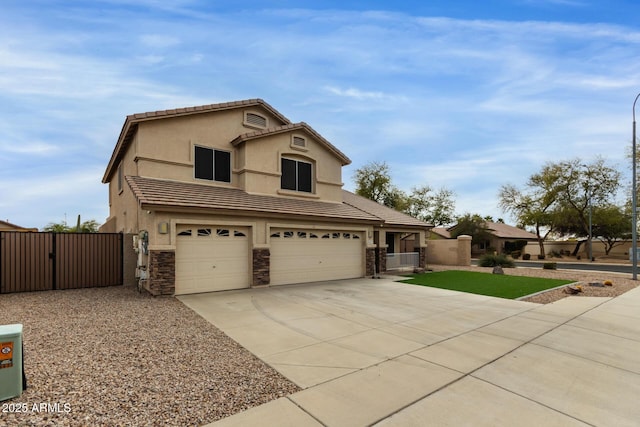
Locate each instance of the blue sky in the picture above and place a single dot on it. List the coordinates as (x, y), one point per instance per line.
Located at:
(465, 95)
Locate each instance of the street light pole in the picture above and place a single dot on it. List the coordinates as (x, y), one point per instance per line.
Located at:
(634, 207)
(590, 234)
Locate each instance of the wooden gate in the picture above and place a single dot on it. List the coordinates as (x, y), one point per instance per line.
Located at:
(48, 261)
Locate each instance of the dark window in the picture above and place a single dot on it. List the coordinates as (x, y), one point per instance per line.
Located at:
(213, 165)
(296, 176)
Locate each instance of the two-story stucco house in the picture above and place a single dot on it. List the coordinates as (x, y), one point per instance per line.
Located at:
(234, 195)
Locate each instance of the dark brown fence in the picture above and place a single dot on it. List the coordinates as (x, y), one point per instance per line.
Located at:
(46, 261)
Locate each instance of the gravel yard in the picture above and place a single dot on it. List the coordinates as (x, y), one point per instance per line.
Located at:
(113, 356)
(621, 282)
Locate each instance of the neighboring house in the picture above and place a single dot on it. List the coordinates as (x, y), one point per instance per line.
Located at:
(7, 226)
(233, 195)
(500, 234)
(438, 233)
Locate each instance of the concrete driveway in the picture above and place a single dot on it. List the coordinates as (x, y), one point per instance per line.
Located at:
(378, 352)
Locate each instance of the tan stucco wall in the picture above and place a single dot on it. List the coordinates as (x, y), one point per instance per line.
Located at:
(123, 207)
(620, 251)
(164, 149)
(449, 251)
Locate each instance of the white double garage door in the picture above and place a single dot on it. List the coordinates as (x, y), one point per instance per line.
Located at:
(214, 258)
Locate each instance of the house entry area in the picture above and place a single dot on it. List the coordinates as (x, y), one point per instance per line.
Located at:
(299, 256)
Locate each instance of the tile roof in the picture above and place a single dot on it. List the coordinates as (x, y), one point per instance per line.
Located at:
(157, 192)
(131, 124)
(442, 232)
(390, 216)
(505, 231)
(7, 226)
(288, 128)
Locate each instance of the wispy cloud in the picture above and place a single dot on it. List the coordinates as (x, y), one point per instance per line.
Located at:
(461, 103)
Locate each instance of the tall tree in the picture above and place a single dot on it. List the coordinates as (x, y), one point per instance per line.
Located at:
(560, 197)
(583, 188)
(534, 205)
(472, 225)
(373, 181)
(611, 225)
(436, 208)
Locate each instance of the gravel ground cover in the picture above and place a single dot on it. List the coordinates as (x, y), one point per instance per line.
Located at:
(621, 282)
(113, 356)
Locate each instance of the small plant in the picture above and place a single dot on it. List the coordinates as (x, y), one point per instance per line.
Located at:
(555, 254)
(550, 266)
(516, 254)
(490, 260)
(526, 257)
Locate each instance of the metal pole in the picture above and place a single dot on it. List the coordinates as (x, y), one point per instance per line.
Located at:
(590, 235)
(634, 207)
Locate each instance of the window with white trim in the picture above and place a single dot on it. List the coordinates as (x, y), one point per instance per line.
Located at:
(211, 164)
(296, 175)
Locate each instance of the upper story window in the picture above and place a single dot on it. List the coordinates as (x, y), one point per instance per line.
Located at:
(255, 120)
(296, 175)
(212, 165)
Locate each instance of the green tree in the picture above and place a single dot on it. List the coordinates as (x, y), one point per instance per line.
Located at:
(373, 181)
(532, 206)
(611, 225)
(559, 197)
(436, 208)
(472, 225)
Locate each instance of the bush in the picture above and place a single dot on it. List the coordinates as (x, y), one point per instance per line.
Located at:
(555, 254)
(526, 257)
(490, 260)
(515, 254)
(550, 266)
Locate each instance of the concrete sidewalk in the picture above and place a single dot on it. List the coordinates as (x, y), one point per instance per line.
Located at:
(377, 352)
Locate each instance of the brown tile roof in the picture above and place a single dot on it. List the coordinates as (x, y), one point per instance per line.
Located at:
(442, 232)
(290, 128)
(7, 226)
(157, 192)
(388, 215)
(131, 124)
(505, 231)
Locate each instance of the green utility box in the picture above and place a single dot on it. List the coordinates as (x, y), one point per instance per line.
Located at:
(11, 370)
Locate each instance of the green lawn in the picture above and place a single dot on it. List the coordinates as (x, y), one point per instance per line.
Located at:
(495, 285)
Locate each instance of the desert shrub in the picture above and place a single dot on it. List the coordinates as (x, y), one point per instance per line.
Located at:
(555, 254)
(491, 260)
(515, 254)
(550, 266)
(526, 257)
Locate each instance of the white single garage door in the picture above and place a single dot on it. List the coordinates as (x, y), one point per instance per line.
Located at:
(211, 258)
(299, 256)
